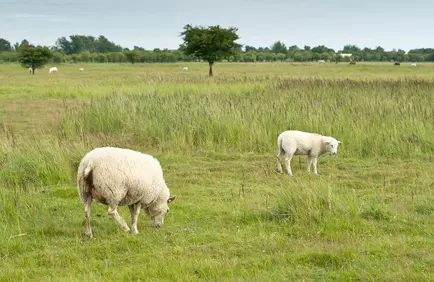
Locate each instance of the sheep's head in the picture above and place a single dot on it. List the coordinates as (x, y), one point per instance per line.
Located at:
(332, 145)
(158, 210)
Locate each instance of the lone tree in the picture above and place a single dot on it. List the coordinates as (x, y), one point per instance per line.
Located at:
(34, 57)
(211, 43)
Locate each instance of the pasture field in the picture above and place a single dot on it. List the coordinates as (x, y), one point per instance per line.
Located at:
(368, 216)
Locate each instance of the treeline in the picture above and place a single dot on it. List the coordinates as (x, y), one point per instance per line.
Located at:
(89, 49)
(163, 56)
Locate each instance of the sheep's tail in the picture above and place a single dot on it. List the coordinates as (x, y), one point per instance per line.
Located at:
(279, 145)
(84, 181)
(279, 149)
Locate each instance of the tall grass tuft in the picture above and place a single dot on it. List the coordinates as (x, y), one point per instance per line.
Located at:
(38, 163)
(388, 118)
(318, 206)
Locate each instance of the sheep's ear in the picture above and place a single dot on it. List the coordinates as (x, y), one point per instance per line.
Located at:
(339, 142)
(327, 142)
(171, 199)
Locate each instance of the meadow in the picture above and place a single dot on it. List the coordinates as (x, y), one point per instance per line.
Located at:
(368, 216)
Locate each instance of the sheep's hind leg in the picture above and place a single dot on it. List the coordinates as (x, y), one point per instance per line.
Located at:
(87, 205)
(288, 158)
(135, 211)
(113, 212)
(279, 161)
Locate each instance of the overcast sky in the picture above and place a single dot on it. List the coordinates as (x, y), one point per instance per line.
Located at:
(156, 24)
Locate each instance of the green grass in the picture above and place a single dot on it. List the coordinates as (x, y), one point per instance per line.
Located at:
(368, 216)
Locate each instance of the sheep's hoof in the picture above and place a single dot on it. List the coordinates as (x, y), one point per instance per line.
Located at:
(134, 232)
(88, 236)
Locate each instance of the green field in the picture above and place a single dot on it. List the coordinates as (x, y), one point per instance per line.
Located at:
(368, 216)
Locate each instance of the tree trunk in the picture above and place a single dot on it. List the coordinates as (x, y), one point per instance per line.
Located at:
(33, 70)
(210, 69)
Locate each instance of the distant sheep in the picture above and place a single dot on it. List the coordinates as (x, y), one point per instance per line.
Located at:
(185, 69)
(352, 62)
(294, 142)
(53, 69)
(413, 65)
(80, 69)
(122, 177)
(30, 70)
(321, 62)
(397, 64)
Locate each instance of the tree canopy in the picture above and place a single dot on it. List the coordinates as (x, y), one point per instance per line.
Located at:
(84, 43)
(34, 57)
(279, 47)
(5, 45)
(211, 43)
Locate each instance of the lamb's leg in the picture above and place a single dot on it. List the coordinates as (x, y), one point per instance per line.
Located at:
(135, 211)
(309, 163)
(113, 212)
(279, 161)
(315, 159)
(87, 214)
(288, 158)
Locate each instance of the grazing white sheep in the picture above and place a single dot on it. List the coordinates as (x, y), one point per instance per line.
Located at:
(123, 177)
(294, 142)
(185, 69)
(413, 65)
(30, 70)
(53, 69)
(80, 69)
(321, 62)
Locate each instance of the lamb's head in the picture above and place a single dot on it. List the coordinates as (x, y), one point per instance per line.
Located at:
(331, 144)
(158, 209)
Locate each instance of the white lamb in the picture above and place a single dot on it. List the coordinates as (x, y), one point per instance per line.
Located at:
(123, 177)
(80, 69)
(293, 142)
(30, 70)
(53, 69)
(185, 69)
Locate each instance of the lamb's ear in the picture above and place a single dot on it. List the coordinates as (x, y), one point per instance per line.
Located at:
(327, 142)
(171, 199)
(339, 142)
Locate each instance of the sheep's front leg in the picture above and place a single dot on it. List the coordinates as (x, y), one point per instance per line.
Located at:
(309, 163)
(113, 212)
(135, 211)
(315, 159)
